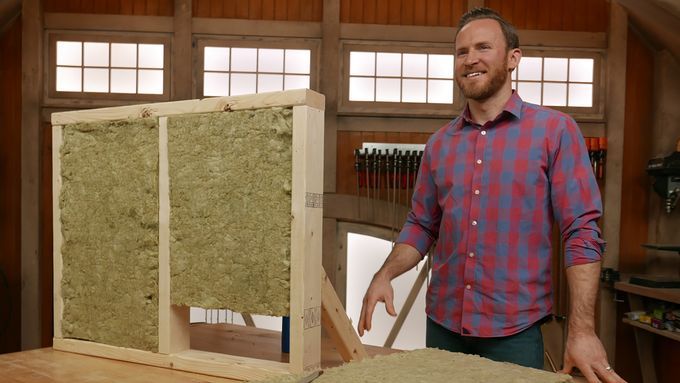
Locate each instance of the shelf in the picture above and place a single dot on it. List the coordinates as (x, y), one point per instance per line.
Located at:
(668, 334)
(668, 295)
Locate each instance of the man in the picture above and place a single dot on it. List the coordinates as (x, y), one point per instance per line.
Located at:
(490, 185)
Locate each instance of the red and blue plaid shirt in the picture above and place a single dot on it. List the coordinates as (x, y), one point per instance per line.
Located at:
(489, 195)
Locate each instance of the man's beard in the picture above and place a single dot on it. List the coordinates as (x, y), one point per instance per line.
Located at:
(481, 92)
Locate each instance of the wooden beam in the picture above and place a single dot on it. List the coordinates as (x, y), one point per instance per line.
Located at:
(182, 84)
(57, 237)
(338, 326)
(472, 4)
(270, 28)
(615, 110)
(330, 84)
(408, 304)
(31, 86)
(97, 22)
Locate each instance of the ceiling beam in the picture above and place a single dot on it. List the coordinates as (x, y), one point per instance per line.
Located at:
(656, 22)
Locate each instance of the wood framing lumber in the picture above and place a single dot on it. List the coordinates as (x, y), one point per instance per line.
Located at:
(58, 239)
(337, 324)
(406, 309)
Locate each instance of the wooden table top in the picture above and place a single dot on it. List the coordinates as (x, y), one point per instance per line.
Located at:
(50, 366)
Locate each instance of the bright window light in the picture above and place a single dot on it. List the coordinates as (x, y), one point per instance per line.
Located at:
(401, 77)
(236, 71)
(103, 67)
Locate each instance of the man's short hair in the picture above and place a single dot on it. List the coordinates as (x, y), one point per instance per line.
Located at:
(510, 33)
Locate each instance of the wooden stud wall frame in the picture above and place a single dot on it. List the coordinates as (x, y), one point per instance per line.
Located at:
(306, 225)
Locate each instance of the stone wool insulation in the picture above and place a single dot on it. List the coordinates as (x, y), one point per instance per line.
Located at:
(230, 215)
(430, 366)
(109, 220)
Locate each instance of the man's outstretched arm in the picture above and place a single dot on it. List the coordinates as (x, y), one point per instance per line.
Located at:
(402, 258)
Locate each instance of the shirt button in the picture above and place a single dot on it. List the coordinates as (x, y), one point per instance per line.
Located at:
(476, 191)
(479, 162)
(471, 255)
(468, 287)
(474, 223)
(483, 132)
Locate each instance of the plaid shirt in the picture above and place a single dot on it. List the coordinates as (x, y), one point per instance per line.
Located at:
(489, 194)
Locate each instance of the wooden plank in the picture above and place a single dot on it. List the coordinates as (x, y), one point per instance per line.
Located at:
(126, 7)
(380, 13)
(58, 238)
(555, 16)
(294, 10)
(31, 87)
(152, 7)
(330, 85)
(139, 7)
(337, 324)
(369, 12)
(408, 304)
(532, 14)
(263, 27)
(181, 83)
(345, 10)
(280, 12)
(356, 11)
(173, 321)
(318, 7)
(645, 327)
(432, 13)
(306, 235)
(307, 10)
(216, 8)
(408, 8)
(208, 363)
(109, 22)
(248, 319)
(668, 295)
(167, 8)
(261, 100)
(230, 9)
(543, 15)
(394, 12)
(267, 9)
(519, 14)
(444, 14)
(255, 9)
(242, 9)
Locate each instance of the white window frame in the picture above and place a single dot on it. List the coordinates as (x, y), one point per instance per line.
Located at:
(377, 108)
(54, 97)
(200, 42)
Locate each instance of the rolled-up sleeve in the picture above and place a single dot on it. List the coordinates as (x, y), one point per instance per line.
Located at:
(421, 228)
(575, 196)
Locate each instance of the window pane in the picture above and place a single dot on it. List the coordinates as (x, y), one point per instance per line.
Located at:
(530, 92)
(362, 63)
(124, 55)
(440, 91)
(270, 60)
(514, 74)
(530, 68)
(296, 82)
(215, 58)
(123, 80)
(441, 66)
(555, 69)
(387, 89)
(96, 80)
(215, 84)
(361, 89)
(150, 55)
(242, 83)
(581, 95)
(68, 79)
(96, 54)
(150, 81)
(298, 61)
(389, 64)
(581, 70)
(415, 65)
(69, 53)
(413, 91)
(555, 94)
(243, 60)
(270, 82)
(514, 85)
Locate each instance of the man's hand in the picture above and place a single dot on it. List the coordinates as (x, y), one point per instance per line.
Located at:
(380, 290)
(585, 352)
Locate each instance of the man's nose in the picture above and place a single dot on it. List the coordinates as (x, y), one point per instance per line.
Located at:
(471, 58)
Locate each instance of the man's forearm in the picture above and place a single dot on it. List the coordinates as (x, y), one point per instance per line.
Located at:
(583, 283)
(402, 259)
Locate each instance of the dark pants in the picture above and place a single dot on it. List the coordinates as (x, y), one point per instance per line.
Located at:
(524, 348)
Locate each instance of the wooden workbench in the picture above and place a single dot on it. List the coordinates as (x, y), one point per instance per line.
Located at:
(50, 366)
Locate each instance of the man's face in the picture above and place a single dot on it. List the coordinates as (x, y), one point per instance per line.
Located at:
(482, 59)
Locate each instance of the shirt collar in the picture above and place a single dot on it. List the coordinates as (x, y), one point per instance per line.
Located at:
(513, 107)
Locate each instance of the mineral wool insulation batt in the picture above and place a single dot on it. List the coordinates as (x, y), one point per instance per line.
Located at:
(230, 210)
(109, 220)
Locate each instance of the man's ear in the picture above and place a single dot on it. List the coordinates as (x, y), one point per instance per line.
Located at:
(514, 56)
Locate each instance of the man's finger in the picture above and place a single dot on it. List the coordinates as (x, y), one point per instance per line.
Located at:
(389, 306)
(589, 374)
(360, 326)
(568, 366)
(609, 375)
(369, 315)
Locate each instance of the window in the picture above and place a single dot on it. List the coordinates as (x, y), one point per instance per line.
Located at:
(115, 68)
(235, 70)
(563, 82)
(401, 77)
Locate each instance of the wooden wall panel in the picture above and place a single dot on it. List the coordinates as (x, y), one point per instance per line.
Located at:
(46, 269)
(112, 7)
(635, 194)
(285, 10)
(349, 140)
(444, 13)
(559, 15)
(10, 190)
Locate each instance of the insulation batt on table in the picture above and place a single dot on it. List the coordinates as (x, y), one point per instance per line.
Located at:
(429, 366)
(230, 210)
(109, 221)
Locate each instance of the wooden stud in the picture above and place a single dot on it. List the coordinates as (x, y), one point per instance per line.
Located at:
(122, 23)
(337, 324)
(58, 239)
(181, 82)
